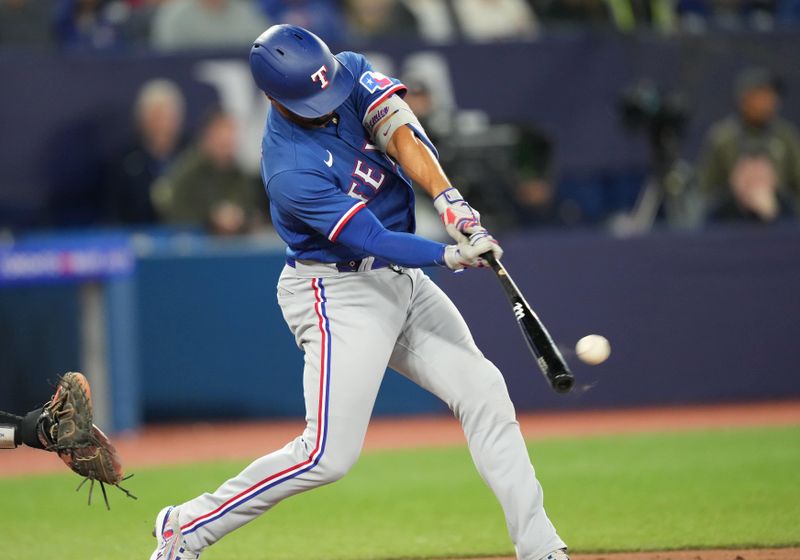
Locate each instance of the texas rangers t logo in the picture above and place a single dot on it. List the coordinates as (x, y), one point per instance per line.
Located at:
(319, 76)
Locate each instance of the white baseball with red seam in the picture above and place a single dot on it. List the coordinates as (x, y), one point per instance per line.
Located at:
(593, 349)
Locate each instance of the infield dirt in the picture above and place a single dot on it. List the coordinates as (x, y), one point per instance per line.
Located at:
(162, 445)
(188, 443)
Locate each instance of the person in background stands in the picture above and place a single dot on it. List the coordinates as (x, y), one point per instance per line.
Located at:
(756, 128)
(626, 16)
(89, 24)
(183, 24)
(495, 20)
(443, 21)
(376, 19)
(324, 17)
(26, 23)
(534, 189)
(572, 13)
(206, 187)
(754, 194)
(159, 118)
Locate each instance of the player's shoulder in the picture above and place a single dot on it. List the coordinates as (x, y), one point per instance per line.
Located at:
(294, 168)
(353, 61)
(288, 186)
(286, 147)
(369, 82)
(299, 164)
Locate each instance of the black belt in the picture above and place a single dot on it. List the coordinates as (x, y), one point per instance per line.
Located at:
(348, 266)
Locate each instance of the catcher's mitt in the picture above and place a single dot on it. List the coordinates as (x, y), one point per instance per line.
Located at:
(66, 420)
(65, 427)
(98, 461)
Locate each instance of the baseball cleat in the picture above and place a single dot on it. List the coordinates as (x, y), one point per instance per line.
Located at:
(167, 531)
(560, 554)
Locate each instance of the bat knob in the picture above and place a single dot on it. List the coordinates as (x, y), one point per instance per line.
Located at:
(563, 382)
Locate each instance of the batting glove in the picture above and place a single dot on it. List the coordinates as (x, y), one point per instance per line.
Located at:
(459, 218)
(468, 254)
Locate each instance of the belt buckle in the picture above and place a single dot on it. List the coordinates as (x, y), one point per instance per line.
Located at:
(348, 266)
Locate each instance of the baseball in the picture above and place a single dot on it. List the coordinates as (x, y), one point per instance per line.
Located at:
(593, 349)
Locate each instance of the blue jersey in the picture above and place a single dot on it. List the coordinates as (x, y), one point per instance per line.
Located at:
(317, 179)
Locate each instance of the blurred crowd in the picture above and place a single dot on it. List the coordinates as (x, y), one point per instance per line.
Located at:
(185, 24)
(162, 178)
(748, 171)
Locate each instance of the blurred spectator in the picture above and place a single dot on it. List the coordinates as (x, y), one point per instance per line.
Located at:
(755, 197)
(629, 15)
(475, 20)
(159, 119)
(90, 24)
(375, 19)
(572, 12)
(624, 15)
(491, 20)
(699, 15)
(138, 26)
(435, 18)
(533, 191)
(756, 128)
(205, 187)
(182, 24)
(420, 100)
(323, 17)
(789, 12)
(26, 23)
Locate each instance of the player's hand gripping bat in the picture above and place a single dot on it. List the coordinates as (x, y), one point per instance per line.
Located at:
(548, 357)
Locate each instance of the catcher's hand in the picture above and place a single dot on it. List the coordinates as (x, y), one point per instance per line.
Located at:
(65, 427)
(66, 420)
(98, 461)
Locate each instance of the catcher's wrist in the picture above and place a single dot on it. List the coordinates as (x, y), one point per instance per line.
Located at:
(33, 430)
(8, 437)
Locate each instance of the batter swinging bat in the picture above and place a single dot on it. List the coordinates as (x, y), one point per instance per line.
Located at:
(549, 358)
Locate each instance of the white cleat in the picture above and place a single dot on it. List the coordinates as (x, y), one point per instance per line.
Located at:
(560, 554)
(167, 531)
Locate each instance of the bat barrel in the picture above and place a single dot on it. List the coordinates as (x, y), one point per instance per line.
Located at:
(563, 382)
(549, 359)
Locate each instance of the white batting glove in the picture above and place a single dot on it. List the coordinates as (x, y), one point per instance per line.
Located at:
(467, 254)
(459, 218)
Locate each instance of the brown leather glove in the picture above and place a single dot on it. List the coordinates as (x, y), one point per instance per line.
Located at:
(65, 427)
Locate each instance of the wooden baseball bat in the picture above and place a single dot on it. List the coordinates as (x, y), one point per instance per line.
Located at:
(547, 354)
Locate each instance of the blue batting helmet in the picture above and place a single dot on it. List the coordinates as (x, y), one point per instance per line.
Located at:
(296, 68)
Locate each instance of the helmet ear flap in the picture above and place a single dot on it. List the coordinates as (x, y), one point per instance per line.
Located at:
(297, 69)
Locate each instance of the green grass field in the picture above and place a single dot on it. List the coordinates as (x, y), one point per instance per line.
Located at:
(731, 488)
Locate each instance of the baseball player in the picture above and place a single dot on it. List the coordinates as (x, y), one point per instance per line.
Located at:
(64, 426)
(340, 151)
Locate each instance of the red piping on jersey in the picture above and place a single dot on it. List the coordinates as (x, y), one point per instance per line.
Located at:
(337, 229)
(383, 97)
